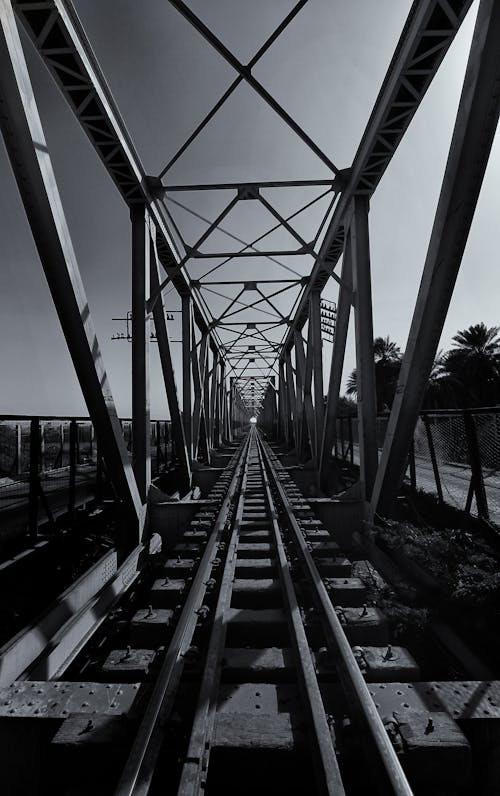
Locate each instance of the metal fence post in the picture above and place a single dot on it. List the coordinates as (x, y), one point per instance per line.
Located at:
(413, 470)
(34, 476)
(98, 474)
(475, 466)
(432, 451)
(19, 449)
(158, 446)
(73, 452)
(351, 443)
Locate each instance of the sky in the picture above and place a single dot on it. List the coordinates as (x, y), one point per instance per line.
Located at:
(326, 71)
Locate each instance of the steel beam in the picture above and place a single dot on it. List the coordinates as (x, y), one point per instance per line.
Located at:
(187, 343)
(250, 78)
(141, 332)
(427, 35)
(317, 355)
(169, 380)
(337, 361)
(31, 163)
(292, 400)
(212, 414)
(58, 35)
(308, 399)
(365, 365)
(473, 135)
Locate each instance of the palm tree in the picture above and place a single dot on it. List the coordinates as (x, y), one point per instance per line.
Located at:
(475, 362)
(352, 383)
(385, 350)
(444, 390)
(387, 357)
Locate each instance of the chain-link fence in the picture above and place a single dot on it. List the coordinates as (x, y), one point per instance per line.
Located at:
(455, 455)
(51, 466)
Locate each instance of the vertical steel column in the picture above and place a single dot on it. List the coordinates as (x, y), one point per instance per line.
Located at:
(222, 404)
(207, 419)
(292, 400)
(213, 398)
(317, 356)
(187, 322)
(471, 142)
(303, 401)
(337, 362)
(231, 408)
(161, 328)
(282, 404)
(365, 365)
(200, 373)
(310, 426)
(141, 331)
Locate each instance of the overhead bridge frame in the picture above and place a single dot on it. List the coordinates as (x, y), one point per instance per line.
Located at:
(272, 367)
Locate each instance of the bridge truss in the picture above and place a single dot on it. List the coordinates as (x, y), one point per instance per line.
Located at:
(243, 351)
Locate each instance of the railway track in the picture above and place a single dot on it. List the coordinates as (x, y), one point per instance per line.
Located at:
(246, 659)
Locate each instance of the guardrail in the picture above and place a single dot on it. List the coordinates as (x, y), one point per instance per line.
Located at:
(455, 455)
(51, 465)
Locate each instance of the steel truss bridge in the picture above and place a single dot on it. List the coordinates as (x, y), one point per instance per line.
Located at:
(270, 366)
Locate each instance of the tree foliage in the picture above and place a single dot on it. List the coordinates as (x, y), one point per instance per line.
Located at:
(468, 375)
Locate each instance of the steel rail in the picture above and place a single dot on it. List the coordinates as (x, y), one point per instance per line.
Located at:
(326, 768)
(196, 763)
(139, 768)
(393, 779)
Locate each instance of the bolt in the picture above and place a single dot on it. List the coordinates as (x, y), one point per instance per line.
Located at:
(430, 727)
(150, 612)
(364, 611)
(127, 654)
(389, 654)
(192, 654)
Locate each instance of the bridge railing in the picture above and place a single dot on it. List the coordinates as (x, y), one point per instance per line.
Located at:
(455, 455)
(51, 465)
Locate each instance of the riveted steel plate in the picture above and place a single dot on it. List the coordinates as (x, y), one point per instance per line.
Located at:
(462, 699)
(25, 699)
